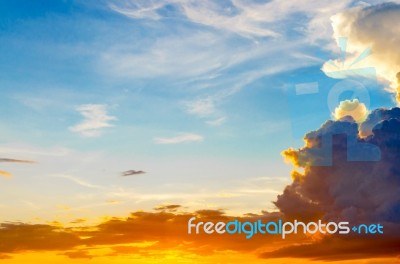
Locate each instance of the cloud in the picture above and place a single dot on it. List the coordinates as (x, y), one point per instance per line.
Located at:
(27, 150)
(78, 181)
(21, 237)
(150, 233)
(79, 254)
(234, 17)
(353, 108)
(246, 18)
(336, 249)
(169, 207)
(375, 118)
(5, 174)
(8, 174)
(216, 122)
(371, 27)
(132, 172)
(3, 256)
(201, 107)
(96, 118)
(246, 37)
(351, 188)
(343, 180)
(16, 160)
(182, 138)
(143, 233)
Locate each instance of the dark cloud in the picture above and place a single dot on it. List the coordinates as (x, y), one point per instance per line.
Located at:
(356, 191)
(376, 117)
(164, 230)
(17, 237)
(334, 249)
(132, 172)
(170, 207)
(78, 221)
(341, 183)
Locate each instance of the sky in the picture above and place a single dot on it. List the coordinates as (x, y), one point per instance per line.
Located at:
(115, 108)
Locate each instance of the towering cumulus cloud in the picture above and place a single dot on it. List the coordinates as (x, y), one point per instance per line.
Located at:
(354, 187)
(358, 111)
(360, 191)
(375, 28)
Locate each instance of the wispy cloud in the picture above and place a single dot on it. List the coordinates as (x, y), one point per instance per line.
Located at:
(77, 180)
(182, 138)
(216, 122)
(16, 160)
(200, 107)
(96, 118)
(168, 207)
(246, 37)
(239, 17)
(8, 174)
(132, 172)
(35, 151)
(245, 18)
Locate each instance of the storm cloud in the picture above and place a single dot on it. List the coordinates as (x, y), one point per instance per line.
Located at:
(354, 179)
(354, 187)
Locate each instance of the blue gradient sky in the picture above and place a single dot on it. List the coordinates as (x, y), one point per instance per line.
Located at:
(195, 94)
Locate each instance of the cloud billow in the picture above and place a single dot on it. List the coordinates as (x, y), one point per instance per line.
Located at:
(375, 28)
(356, 191)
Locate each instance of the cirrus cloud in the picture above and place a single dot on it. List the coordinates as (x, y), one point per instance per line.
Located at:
(181, 138)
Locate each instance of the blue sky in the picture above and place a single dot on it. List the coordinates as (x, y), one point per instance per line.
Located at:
(197, 94)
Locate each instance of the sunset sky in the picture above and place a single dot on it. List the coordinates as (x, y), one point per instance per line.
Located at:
(119, 120)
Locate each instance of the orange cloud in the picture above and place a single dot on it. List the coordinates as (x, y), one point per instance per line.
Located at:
(160, 233)
(5, 173)
(142, 233)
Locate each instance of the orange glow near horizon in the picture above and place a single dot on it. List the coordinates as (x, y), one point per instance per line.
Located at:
(172, 257)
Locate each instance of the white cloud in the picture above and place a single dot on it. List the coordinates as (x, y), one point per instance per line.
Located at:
(243, 17)
(219, 46)
(182, 138)
(96, 118)
(22, 150)
(369, 27)
(216, 48)
(183, 55)
(187, 52)
(216, 122)
(200, 107)
(354, 108)
(77, 181)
